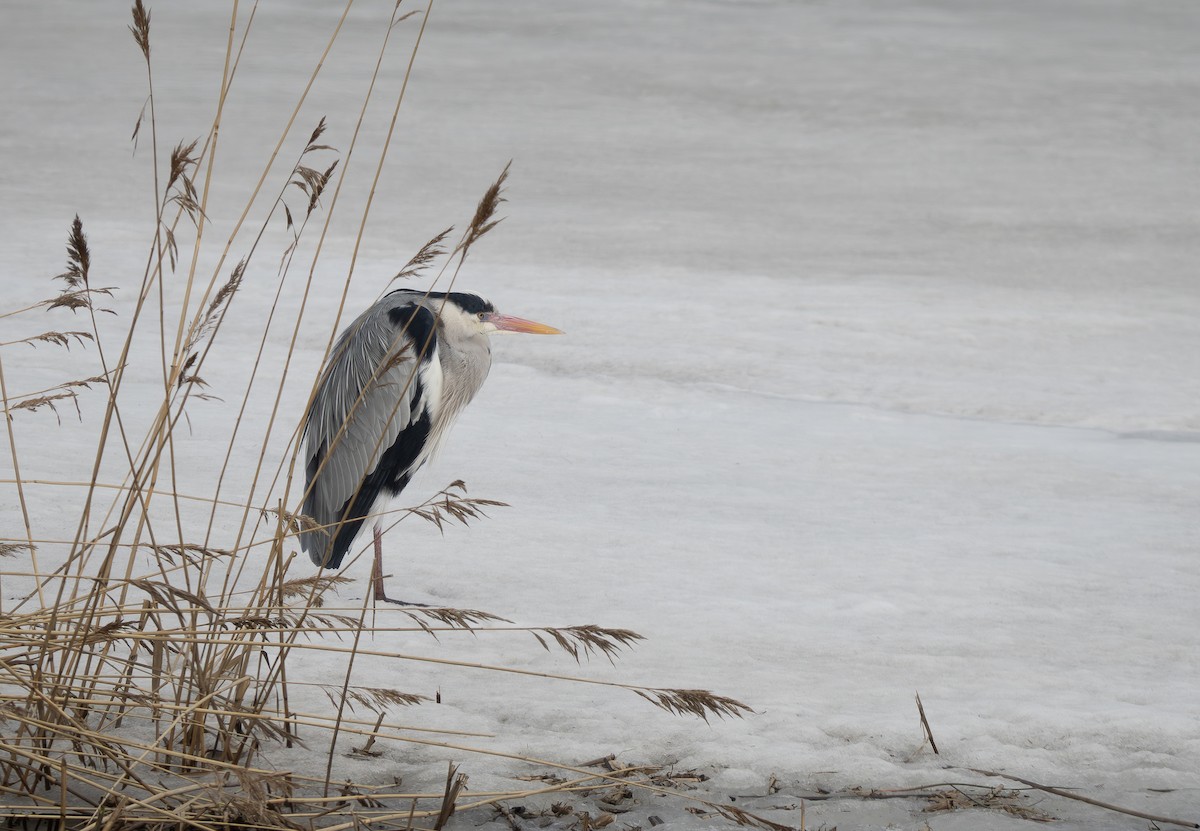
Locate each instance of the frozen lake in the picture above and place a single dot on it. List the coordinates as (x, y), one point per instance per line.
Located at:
(881, 369)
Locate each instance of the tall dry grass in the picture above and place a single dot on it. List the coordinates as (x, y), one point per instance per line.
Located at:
(151, 666)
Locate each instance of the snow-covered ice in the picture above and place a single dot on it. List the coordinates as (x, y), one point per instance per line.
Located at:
(881, 373)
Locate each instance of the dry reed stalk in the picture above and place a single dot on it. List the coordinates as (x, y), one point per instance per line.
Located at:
(1107, 806)
(925, 725)
(308, 283)
(362, 224)
(12, 447)
(312, 184)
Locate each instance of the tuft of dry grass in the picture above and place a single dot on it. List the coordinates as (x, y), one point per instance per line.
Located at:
(452, 504)
(140, 28)
(79, 258)
(584, 641)
(484, 219)
(430, 252)
(57, 338)
(699, 703)
(959, 798)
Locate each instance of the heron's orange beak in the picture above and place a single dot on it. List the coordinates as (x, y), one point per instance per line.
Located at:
(506, 323)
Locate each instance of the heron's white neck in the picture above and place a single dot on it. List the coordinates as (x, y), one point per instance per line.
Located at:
(465, 356)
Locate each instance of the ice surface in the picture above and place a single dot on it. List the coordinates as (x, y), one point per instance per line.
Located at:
(881, 372)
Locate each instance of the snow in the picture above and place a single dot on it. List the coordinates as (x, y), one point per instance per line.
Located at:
(880, 373)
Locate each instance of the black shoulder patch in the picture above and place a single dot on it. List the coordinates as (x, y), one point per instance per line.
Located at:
(418, 323)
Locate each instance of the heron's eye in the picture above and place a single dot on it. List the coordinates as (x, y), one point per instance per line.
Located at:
(481, 315)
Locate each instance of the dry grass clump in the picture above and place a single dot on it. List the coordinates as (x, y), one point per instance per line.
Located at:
(150, 677)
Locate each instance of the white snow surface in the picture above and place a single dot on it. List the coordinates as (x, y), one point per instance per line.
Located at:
(881, 372)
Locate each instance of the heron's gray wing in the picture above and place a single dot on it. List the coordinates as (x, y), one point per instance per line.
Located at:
(382, 375)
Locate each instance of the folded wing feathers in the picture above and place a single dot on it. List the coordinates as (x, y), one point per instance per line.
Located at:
(389, 404)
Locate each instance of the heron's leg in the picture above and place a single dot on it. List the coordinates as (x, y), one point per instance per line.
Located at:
(377, 573)
(377, 566)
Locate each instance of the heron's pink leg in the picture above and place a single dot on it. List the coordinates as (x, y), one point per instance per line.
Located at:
(377, 573)
(377, 568)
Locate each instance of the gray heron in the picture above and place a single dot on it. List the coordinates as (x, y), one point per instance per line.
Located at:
(396, 380)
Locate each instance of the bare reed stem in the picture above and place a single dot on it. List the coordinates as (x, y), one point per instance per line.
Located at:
(12, 449)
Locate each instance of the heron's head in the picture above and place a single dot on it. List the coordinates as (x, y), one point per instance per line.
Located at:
(470, 313)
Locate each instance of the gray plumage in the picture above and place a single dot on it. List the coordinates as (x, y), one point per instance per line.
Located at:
(396, 380)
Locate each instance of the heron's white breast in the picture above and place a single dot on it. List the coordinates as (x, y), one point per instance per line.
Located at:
(461, 371)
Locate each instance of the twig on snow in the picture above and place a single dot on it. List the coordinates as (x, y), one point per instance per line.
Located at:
(1105, 805)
